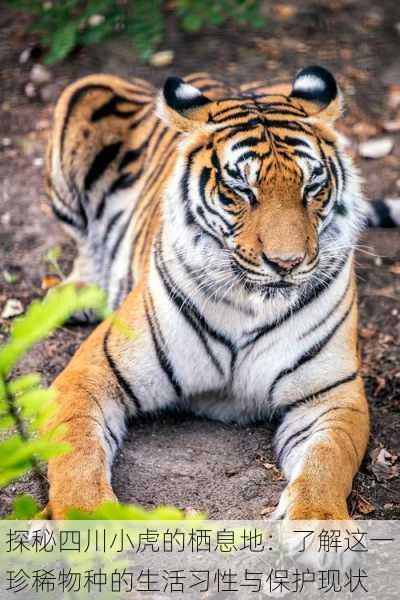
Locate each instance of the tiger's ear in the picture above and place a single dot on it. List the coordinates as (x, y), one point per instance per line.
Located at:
(182, 105)
(317, 92)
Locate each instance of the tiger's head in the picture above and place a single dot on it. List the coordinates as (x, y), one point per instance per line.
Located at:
(263, 177)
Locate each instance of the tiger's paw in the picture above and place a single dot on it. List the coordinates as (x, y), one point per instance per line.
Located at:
(83, 499)
(314, 533)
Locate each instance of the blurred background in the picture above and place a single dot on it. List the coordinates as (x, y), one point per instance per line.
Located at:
(46, 45)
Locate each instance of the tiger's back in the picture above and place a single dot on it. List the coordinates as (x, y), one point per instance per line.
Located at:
(108, 158)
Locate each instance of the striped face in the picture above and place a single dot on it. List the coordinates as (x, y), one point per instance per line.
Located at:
(261, 176)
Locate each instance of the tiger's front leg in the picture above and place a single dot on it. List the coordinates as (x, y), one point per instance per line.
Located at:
(320, 445)
(114, 376)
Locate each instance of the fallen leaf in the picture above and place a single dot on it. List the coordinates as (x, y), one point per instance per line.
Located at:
(367, 332)
(394, 97)
(364, 130)
(364, 506)
(284, 11)
(267, 510)
(383, 464)
(276, 474)
(395, 269)
(12, 308)
(50, 281)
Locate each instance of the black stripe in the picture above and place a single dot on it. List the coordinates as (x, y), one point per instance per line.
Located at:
(108, 428)
(185, 185)
(324, 390)
(307, 428)
(213, 298)
(109, 108)
(110, 225)
(383, 215)
(312, 352)
(74, 99)
(188, 310)
(247, 142)
(124, 385)
(159, 344)
(102, 160)
(330, 313)
(259, 332)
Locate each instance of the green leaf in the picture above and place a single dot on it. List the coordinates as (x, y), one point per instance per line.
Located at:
(63, 41)
(24, 507)
(42, 318)
(192, 22)
(24, 383)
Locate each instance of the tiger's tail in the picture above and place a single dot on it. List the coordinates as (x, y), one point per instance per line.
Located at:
(383, 213)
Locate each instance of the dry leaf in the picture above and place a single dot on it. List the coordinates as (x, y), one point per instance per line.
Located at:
(267, 510)
(367, 332)
(383, 464)
(268, 466)
(12, 308)
(364, 130)
(284, 11)
(364, 506)
(50, 281)
(395, 269)
(162, 58)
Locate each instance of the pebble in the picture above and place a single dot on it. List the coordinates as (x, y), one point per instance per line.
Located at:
(30, 90)
(38, 162)
(375, 148)
(95, 20)
(162, 58)
(40, 75)
(49, 92)
(391, 126)
(12, 308)
(25, 56)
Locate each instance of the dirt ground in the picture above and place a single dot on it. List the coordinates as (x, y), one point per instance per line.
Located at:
(176, 459)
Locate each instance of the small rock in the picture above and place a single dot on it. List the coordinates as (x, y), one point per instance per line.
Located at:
(394, 97)
(377, 148)
(25, 56)
(30, 90)
(364, 130)
(95, 20)
(40, 75)
(38, 162)
(391, 126)
(162, 58)
(12, 308)
(49, 92)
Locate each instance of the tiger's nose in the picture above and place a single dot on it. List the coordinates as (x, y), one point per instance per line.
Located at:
(283, 265)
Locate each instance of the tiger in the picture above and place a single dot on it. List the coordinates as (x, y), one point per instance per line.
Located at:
(221, 222)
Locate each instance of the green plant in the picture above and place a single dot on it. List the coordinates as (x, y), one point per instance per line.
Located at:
(62, 26)
(24, 403)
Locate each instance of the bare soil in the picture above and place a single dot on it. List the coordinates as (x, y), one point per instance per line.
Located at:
(177, 459)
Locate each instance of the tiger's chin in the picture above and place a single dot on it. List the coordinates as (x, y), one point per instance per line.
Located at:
(273, 289)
